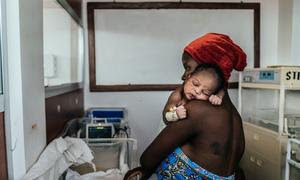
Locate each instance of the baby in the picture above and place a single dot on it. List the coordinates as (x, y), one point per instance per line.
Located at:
(212, 48)
(204, 82)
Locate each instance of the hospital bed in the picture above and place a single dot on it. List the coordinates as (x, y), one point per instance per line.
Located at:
(107, 133)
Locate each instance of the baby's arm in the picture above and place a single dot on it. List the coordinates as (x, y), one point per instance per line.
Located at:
(216, 99)
(171, 112)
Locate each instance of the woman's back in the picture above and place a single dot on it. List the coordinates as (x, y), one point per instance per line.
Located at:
(219, 144)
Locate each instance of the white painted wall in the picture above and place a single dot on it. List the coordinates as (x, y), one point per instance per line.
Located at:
(296, 34)
(31, 25)
(269, 12)
(285, 32)
(25, 98)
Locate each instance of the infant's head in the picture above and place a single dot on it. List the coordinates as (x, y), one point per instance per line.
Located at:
(207, 79)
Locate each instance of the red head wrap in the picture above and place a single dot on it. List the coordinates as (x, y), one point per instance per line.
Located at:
(218, 49)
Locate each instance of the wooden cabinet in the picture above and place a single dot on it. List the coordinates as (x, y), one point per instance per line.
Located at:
(264, 155)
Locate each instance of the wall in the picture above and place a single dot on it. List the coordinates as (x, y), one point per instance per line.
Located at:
(31, 25)
(296, 34)
(285, 32)
(269, 15)
(25, 98)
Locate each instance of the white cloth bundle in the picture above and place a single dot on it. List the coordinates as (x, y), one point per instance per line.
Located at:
(58, 156)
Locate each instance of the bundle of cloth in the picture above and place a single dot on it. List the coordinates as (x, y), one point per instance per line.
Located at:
(58, 156)
(61, 154)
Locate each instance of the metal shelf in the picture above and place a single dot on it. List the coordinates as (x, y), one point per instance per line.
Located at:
(260, 86)
(268, 86)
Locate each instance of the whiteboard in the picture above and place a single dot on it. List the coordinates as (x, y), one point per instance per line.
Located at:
(144, 46)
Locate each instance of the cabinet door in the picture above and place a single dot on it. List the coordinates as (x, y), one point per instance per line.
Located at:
(257, 167)
(248, 165)
(263, 153)
(264, 142)
(266, 169)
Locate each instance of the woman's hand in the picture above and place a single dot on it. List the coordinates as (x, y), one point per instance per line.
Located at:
(131, 174)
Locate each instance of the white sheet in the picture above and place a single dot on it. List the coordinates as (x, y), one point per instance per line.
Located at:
(57, 157)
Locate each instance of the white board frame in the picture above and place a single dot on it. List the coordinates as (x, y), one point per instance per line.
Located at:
(92, 6)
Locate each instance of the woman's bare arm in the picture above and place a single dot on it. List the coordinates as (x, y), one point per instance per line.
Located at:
(173, 136)
(221, 93)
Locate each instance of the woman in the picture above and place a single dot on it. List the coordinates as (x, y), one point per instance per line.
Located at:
(210, 142)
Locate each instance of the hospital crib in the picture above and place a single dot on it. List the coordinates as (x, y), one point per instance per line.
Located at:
(107, 133)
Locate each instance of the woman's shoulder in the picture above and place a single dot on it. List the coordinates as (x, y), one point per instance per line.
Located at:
(199, 103)
(199, 107)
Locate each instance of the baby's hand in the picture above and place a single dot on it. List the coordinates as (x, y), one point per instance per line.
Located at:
(215, 100)
(181, 103)
(181, 112)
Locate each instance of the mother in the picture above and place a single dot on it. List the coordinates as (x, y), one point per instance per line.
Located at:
(210, 143)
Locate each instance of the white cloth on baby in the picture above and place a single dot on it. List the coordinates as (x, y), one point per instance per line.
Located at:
(57, 157)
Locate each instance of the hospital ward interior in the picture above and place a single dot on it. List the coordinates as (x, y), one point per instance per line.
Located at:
(83, 85)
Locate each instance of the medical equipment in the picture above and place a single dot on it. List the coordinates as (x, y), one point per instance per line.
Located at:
(289, 76)
(268, 97)
(107, 133)
(116, 116)
(99, 130)
(103, 116)
(268, 104)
